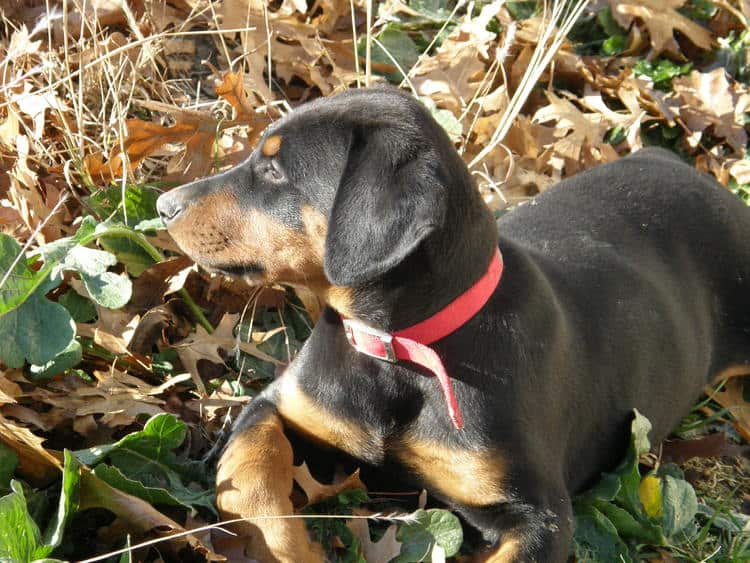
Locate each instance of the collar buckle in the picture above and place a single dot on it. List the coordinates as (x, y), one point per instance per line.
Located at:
(370, 341)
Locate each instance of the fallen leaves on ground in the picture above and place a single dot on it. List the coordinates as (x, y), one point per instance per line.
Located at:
(103, 107)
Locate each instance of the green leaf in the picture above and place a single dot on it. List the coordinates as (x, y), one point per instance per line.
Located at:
(445, 118)
(661, 72)
(132, 255)
(150, 225)
(147, 458)
(86, 261)
(616, 135)
(152, 495)
(109, 289)
(19, 535)
(106, 288)
(68, 502)
(522, 10)
(605, 490)
(81, 309)
(639, 429)
(8, 464)
(54, 252)
(64, 361)
(161, 434)
(126, 557)
(400, 47)
(614, 45)
(627, 526)
(608, 23)
(679, 505)
(436, 10)
(701, 10)
(596, 539)
(35, 332)
(21, 282)
(430, 527)
(630, 477)
(140, 203)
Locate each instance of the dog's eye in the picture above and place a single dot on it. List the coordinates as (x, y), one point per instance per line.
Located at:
(272, 171)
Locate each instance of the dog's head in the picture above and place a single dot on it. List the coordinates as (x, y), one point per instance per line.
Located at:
(339, 192)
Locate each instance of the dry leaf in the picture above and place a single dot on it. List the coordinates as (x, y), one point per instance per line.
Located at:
(316, 491)
(451, 76)
(661, 19)
(731, 398)
(711, 100)
(138, 515)
(375, 552)
(36, 464)
(575, 131)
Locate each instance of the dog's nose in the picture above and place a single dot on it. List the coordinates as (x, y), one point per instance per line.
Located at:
(169, 207)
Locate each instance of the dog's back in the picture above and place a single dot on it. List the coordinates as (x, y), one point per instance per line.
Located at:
(649, 265)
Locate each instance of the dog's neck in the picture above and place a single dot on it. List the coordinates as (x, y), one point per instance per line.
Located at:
(446, 265)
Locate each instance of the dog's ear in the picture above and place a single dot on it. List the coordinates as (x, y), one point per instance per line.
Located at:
(390, 198)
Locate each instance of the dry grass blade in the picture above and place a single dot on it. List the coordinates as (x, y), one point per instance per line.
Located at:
(552, 35)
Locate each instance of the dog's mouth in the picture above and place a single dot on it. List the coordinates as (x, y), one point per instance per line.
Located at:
(251, 271)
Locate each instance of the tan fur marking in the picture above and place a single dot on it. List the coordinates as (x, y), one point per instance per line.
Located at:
(254, 478)
(272, 145)
(340, 298)
(217, 232)
(473, 478)
(737, 370)
(309, 418)
(508, 551)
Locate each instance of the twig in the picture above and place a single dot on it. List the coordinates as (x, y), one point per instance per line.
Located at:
(219, 526)
(368, 45)
(543, 54)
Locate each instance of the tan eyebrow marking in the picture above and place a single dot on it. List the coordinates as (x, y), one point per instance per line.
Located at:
(272, 145)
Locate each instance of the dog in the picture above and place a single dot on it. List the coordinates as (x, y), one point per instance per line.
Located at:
(494, 363)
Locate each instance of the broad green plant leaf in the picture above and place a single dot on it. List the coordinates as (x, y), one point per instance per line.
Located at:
(146, 458)
(21, 282)
(658, 509)
(65, 360)
(596, 539)
(161, 434)
(105, 288)
(445, 118)
(20, 539)
(68, 503)
(36, 332)
(429, 528)
(152, 495)
(81, 309)
(396, 43)
(8, 464)
(661, 72)
(679, 505)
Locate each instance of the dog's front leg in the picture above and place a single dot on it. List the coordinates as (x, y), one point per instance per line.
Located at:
(530, 531)
(254, 481)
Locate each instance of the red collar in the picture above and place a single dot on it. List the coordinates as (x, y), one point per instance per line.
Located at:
(412, 343)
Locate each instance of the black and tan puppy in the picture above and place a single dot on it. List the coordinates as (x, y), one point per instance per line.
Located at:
(624, 287)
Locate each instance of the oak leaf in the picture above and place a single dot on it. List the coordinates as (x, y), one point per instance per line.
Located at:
(451, 77)
(35, 463)
(731, 397)
(661, 19)
(315, 491)
(710, 100)
(381, 551)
